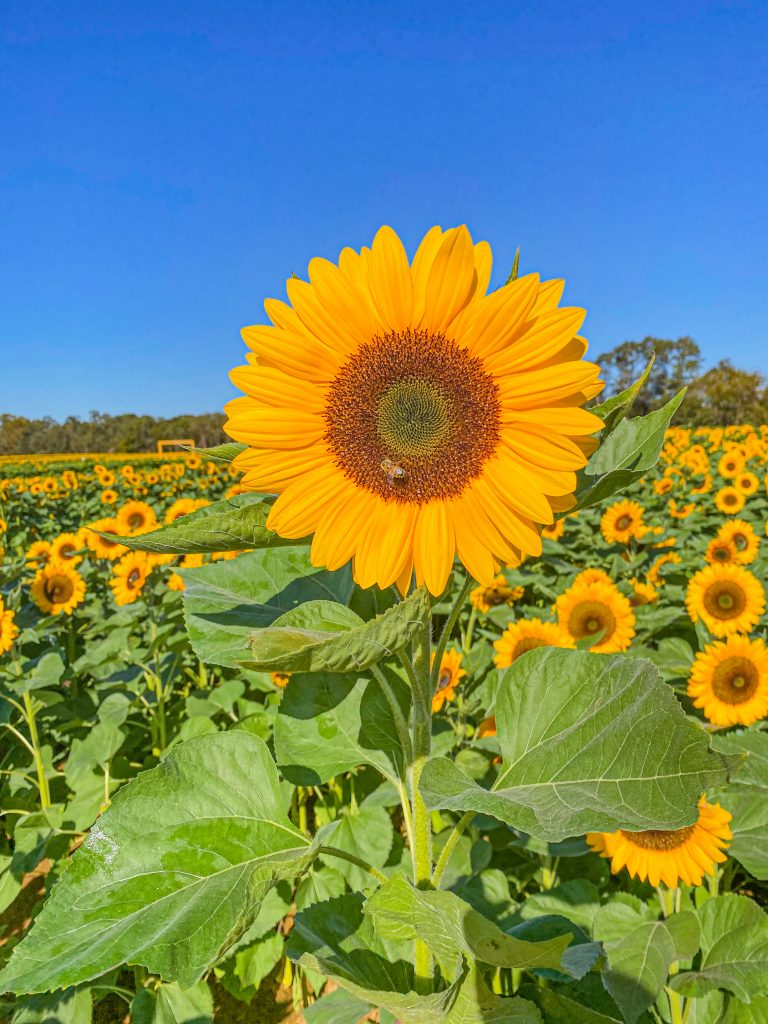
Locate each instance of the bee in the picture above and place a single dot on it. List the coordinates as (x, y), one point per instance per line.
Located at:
(393, 472)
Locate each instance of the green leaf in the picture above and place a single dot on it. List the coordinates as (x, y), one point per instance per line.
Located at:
(590, 742)
(339, 1007)
(223, 452)
(628, 453)
(640, 957)
(324, 637)
(453, 930)
(613, 410)
(226, 601)
(734, 944)
(232, 524)
(172, 874)
(169, 1004)
(329, 724)
(41, 675)
(75, 1006)
(578, 900)
(747, 799)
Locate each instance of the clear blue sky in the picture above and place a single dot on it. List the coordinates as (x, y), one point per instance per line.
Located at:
(165, 166)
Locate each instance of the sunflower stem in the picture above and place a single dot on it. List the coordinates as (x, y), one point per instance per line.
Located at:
(421, 740)
(42, 779)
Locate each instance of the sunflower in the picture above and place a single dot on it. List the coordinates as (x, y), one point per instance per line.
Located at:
(591, 576)
(280, 679)
(683, 854)
(8, 628)
(727, 598)
(730, 464)
(183, 507)
(730, 500)
(38, 553)
(450, 675)
(404, 416)
(486, 728)
(67, 547)
(747, 482)
(109, 497)
(498, 593)
(597, 610)
(654, 573)
(642, 593)
(57, 587)
(742, 536)
(705, 486)
(729, 681)
(720, 552)
(130, 575)
(680, 511)
(526, 635)
(622, 522)
(555, 531)
(101, 546)
(136, 517)
(663, 486)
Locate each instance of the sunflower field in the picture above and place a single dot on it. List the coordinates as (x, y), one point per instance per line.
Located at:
(439, 695)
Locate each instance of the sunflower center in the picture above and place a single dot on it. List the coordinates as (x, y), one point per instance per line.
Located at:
(590, 618)
(67, 550)
(136, 520)
(623, 522)
(58, 589)
(722, 554)
(132, 579)
(740, 540)
(725, 600)
(444, 679)
(528, 643)
(658, 839)
(412, 417)
(735, 680)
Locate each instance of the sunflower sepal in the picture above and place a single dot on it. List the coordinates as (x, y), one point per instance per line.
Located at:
(232, 524)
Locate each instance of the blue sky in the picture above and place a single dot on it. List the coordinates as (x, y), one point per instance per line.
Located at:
(165, 166)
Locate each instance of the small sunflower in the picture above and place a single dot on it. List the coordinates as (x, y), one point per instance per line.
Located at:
(747, 482)
(130, 575)
(642, 593)
(555, 531)
(280, 679)
(109, 497)
(672, 856)
(38, 553)
(136, 517)
(654, 573)
(498, 593)
(705, 486)
(597, 610)
(405, 417)
(622, 522)
(101, 546)
(8, 628)
(743, 538)
(450, 675)
(67, 547)
(591, 575)
(727, 598)
(183, 507)
(526, 635)
(720, 552)
(730, 500)
(680, 511)
(57, 588)
(486, 728)
(729, 681)
(730, 464)
(663, 486)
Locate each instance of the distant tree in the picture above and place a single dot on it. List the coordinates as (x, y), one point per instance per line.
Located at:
(725, 395)
(677, 364)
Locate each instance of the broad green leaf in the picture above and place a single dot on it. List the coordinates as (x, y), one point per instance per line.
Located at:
(614, 409)
(75, 1006)
(746, 797)
(330, 723)
(453, 930)
(578, 900)
(630, 451)
(590, 742)
(560, 1008)
(251, 965)
(232, 524)
(339, 1007)
(639, 960)
(734, 945)
(169, 1004)
(43, 674)
(323, 637)
(172, 874)
(226, 601)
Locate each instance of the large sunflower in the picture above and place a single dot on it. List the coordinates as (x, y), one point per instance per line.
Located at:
(404, 416)
(597, 610)
(669, 856)
(57, 588)
(727, 598)
(729, 681)
(622, 522)
(526, 635)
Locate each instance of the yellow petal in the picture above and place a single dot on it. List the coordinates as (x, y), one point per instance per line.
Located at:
(434, 547)
(390, 281)
(452, 280)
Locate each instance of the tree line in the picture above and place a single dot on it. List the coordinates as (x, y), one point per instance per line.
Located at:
(720, 396)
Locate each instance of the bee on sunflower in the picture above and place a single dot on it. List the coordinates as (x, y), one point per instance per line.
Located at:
(727, 598)
(401, 396)
(58, 588)
(526, 635)
(729, 681)
(669, 856)
(597, 615)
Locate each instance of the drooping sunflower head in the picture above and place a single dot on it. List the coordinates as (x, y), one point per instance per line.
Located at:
(527, 635)
(669, 856)
(448, 678)
(135, 517)
(729, 681)
(743, 538)
(727, 598)
(404, 416)
(597, 615)
(57, 587)
(622, 522)
(129, 576)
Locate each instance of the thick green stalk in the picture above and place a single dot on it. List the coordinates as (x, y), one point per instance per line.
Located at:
(421, 741)
(42, 779)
